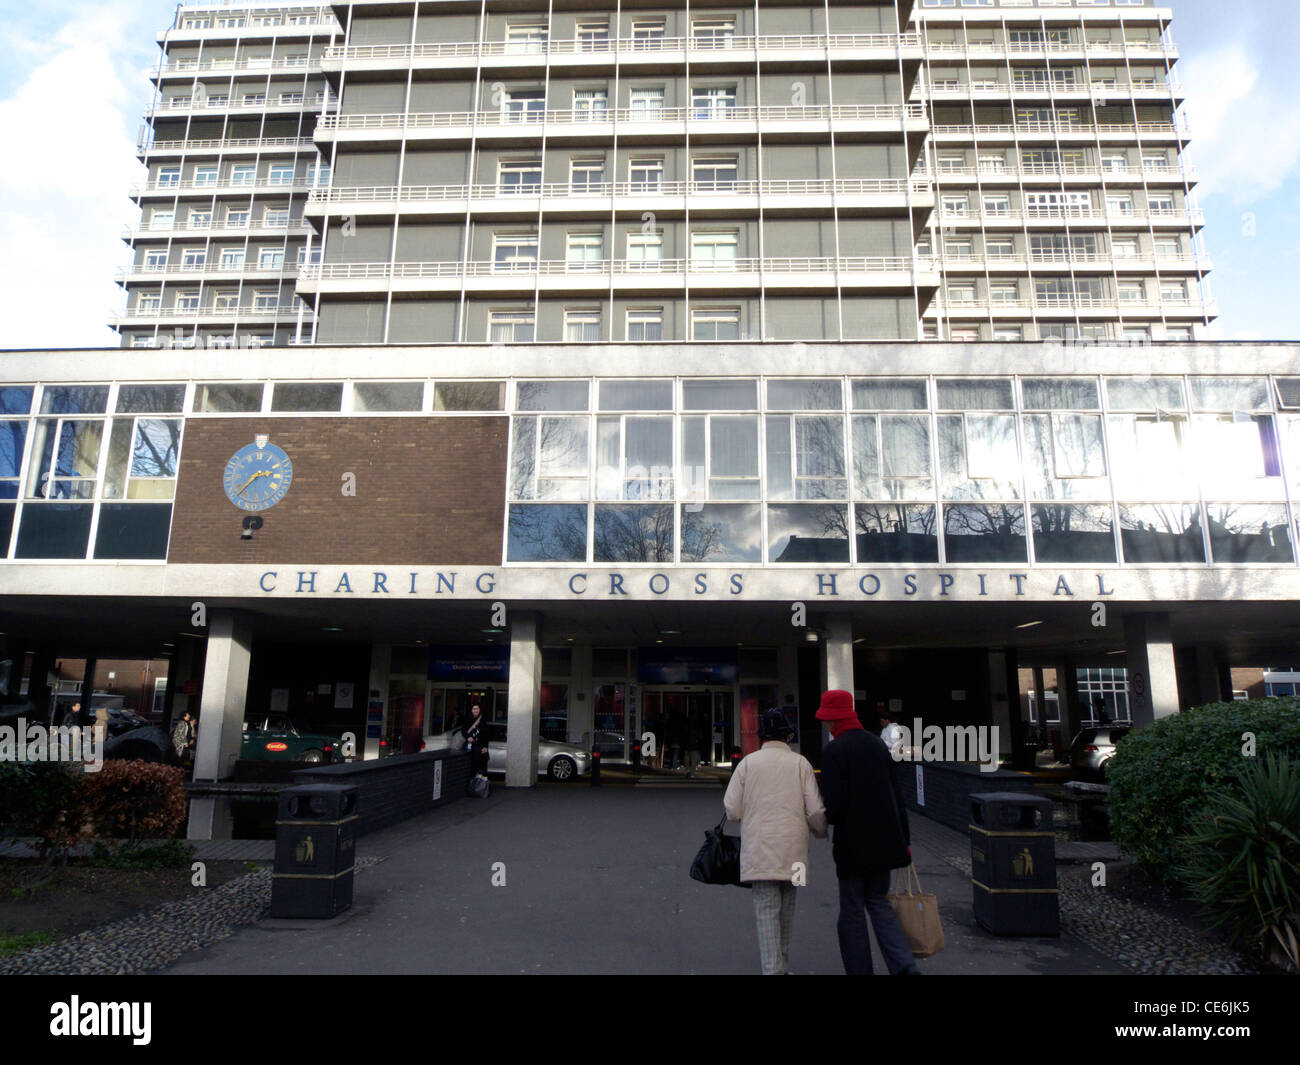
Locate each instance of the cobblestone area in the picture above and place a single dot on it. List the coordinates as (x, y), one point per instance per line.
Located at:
(150, 940)
(1139, 937)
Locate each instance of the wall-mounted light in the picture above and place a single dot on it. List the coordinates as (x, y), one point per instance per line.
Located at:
(251, 524)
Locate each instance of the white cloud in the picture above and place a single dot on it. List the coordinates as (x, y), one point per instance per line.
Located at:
(1245, 129)
(63, 210)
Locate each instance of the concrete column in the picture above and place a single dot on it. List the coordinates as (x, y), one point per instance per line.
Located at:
(1067, 694)
(839, 652)
(1001, 663)
(225, 695)
(525, 710)
(582, 695)
(381, 662)
(1152, 677)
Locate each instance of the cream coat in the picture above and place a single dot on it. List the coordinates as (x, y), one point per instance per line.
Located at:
(773, 794)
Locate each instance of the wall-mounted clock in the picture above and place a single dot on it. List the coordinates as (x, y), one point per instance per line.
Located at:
(258, 475)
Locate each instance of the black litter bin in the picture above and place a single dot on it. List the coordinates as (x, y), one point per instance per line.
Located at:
(1013, 864)
(315, 850)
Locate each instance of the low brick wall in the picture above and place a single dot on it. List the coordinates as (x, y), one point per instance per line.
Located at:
(393, 789)
(949, 786)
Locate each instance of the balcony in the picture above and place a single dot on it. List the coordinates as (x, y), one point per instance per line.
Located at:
(212, 271)
(1059, 306)
(1097, 90)
(1054, 172)
(164, 315)
(180, 107)
(887, 194)
(1098, 262)
(240, 146)
(1191, 218)
(224, 187)
(1066, 131)
(879, 272)
(578, 54)
(293, 228)
(600, 124)
(188, 68)
(1042, 49)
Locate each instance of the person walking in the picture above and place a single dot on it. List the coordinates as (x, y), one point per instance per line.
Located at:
(773, 794)
(891, 732)
(871, 837)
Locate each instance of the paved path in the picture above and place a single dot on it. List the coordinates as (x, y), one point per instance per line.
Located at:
(596, 882)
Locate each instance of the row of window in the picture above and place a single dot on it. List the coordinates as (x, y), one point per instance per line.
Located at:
(1046, 245)
(206, 98)
(1065, 203)
(1043, 79)
(271, 217)
(257, 258)
(1050, 160)
(952, 534)
(1049, 292)
(207, 21)
(190, 301)
(241, 174)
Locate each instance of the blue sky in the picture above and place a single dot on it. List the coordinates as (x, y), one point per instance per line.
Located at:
(75, 85)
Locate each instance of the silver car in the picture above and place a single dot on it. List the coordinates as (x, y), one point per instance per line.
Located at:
(559, 761)
(1093, 748)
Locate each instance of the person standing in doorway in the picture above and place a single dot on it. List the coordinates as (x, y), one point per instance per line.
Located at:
(181, 736)
(773, 794)
(871, 837)
(476, 741)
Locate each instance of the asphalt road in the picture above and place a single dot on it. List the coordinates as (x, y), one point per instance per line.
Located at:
(595, 881)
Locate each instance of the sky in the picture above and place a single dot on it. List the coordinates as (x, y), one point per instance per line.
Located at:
(74, 86)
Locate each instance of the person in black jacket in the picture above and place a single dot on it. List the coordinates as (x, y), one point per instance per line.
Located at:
(476, 742)
(871, 837)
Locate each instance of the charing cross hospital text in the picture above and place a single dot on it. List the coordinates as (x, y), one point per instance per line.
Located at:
(681, 583)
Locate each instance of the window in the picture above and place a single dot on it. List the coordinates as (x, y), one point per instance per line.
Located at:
(1155, 163)
(957, 204)
(236, 217)
(587, 175)
(645, 248)
(526, 37)
(266, 301)
(253, 99)
(712, 33)
(514, 251)
(1173, 291)
(1003, 291)
(1120, 203)
(243, 174)
(1168, 248)
(510, 327)
(1114, 162)
(645, 175)
(592, 36)
(149, 303)
(193, 258)
(200, 217)
(720, 457)
(162, 220)
(1008, 333)
(315, 256)
(647, 33)
(523, 105)
(270, 258)
(1125, 247)
(187, 302)
(154, 260)
(957, 249)
(582, 325)
(714, 174)
(1131, 289)
(205, 175)
(290, 98)
(281, 174)
(997, 204)
(519, 176)
(584, 251)
(715, 323)
(1055, 204)
(275, 217)
(589, 105)
(713, 102)
(993, 164)
(714, 247)
(999, 248)
(645, 323)
(646, 105)
(225, 301)
(169, 176)
(318, 175)
(805, 457)
(1160, 203)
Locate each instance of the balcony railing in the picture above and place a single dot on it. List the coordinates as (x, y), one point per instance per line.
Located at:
(1065, 305)
(294, 227)
(1116, 218)
(527, 269)
(1096, 88)
(625, 48)
(1105, 260)
(622, 189)
(999, 50)
(250, 64)
(220, 313)
(223, 186)
(1093, 172)
(529, 121)
(190, 270)
(231, 144)
(310, 102)
(1066, 129)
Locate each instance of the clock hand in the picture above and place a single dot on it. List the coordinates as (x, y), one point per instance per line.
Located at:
(259, 473)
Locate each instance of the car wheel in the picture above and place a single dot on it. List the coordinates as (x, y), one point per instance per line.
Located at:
(313, 757)
(562, 768)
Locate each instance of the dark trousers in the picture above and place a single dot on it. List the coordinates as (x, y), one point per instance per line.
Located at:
(861, 897)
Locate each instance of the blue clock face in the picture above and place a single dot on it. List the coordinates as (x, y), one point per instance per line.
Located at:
(257, 477)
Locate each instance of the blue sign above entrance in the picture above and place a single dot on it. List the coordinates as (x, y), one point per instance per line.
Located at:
(470, 664)
(687, 665)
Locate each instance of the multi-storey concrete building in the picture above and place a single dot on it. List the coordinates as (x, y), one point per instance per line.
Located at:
(553, 172)
(230, 156)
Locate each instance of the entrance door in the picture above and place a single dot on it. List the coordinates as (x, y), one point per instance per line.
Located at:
(685, 720)
(614, 724)
(451, 706)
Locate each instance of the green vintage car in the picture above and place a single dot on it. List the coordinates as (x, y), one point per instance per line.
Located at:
(275, 738)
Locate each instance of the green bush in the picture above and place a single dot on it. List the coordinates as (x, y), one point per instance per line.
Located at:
(172, 854)
(1161, 774)
(36, 799)
(1241, 859)
(134, 799)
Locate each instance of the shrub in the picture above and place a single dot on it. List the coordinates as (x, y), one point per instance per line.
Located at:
(134, 800)
(1160, 774)
(40, 799)
(1241, 859)
(172, 854)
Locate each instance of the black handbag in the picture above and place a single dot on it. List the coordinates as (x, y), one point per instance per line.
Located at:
(718, 859)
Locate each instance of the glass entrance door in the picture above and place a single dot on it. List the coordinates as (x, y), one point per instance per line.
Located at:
(691, 725)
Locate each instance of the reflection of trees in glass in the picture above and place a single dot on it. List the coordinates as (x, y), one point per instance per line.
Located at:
(157, 445)
(708, 538)
(1172, 518)
(633, 534)
(987, 519)
(556, 533)
(12, 437)
(895, 518)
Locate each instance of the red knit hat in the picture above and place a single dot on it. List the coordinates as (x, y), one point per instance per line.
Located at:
(836, 706)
